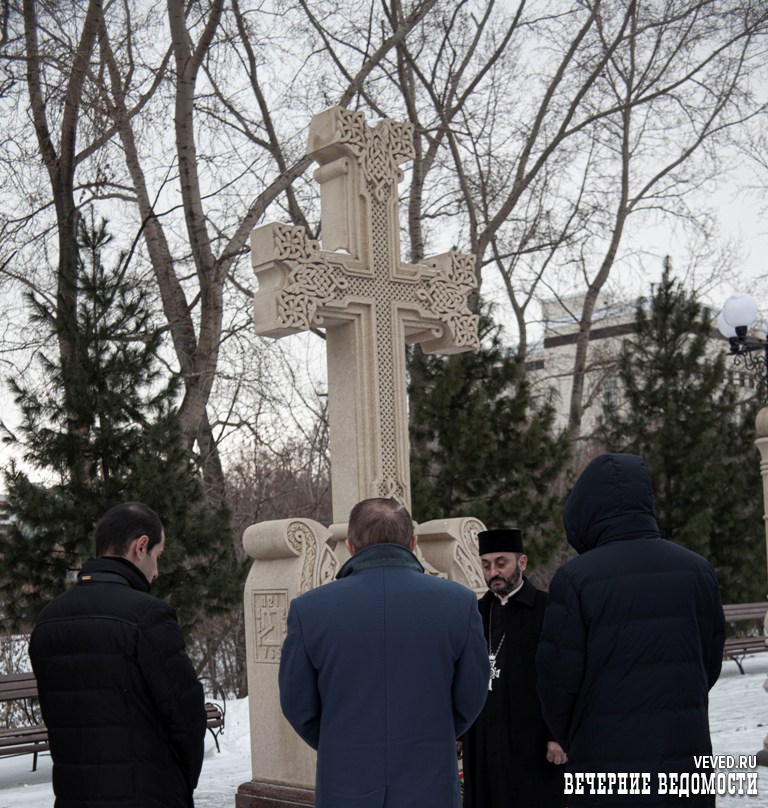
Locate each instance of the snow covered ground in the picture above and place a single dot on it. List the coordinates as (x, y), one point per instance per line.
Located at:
(738, 718)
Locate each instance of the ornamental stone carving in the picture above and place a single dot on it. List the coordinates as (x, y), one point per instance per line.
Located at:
(370, 302)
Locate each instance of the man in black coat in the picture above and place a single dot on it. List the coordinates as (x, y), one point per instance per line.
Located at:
(631, 644)
(511, 759)
(119, 696)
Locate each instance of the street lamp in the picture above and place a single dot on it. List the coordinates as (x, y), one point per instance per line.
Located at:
(738, 314)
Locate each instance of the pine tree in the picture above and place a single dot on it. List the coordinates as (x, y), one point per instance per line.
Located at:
(480, 448)
(113, 437)
(674, 409)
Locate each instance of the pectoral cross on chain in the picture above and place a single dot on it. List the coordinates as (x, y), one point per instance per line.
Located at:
(495, 672)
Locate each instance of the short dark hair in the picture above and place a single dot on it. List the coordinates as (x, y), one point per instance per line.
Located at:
(122, 524)
(379, 521)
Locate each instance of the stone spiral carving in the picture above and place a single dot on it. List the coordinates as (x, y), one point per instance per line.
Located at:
(319, 562)
(451, 545)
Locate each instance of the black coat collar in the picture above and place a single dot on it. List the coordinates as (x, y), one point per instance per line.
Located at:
(113, 569)
(525, 597)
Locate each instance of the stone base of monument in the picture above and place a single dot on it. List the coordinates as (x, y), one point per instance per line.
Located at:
(271, 795)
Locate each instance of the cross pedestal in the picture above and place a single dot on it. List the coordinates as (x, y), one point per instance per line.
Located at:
(290, 557)
(370, 304)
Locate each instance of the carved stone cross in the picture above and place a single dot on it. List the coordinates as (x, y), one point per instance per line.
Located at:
(368, 300)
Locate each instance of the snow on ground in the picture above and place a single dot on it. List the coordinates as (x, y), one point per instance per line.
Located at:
(738, 718)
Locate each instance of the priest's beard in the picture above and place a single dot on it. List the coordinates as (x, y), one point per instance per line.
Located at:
(502, 585)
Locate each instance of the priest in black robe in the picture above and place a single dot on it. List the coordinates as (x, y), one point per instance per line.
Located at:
(510, 758)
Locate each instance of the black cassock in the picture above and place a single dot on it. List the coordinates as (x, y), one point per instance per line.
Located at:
(505, 763)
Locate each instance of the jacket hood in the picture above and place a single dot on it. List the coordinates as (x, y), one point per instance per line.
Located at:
(612, 500)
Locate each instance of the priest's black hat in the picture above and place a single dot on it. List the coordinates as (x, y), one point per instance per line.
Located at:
(501, 540)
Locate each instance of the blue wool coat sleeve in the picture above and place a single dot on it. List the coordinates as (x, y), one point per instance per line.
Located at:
(299, 694)
(471, 674)
(560, 657)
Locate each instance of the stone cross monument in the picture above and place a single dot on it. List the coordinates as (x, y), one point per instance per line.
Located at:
(370, 304)
(369, 301)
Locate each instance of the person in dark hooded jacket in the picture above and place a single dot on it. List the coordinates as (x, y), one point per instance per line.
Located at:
(124, 709)
(631, 644)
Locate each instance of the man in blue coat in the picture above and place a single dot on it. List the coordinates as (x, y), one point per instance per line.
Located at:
(382, 670)
(632, 642)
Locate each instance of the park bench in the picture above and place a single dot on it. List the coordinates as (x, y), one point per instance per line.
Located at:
(750, 639)
(215, 708)
(29, 736)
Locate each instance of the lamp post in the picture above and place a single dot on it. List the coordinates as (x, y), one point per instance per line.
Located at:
(738, 314)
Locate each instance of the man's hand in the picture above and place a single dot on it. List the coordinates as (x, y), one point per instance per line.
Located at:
(459, 748)
(555, 753)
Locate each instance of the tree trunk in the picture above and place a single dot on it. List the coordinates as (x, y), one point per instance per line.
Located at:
(61, 168)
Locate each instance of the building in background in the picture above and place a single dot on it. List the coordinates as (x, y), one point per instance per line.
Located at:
(550, 365)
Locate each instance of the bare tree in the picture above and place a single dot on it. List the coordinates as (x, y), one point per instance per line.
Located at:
(543, 130)
(58, 150)
(580, 116)
(236, 148)
(676, 86)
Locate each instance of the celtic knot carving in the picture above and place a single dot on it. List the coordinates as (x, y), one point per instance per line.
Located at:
(312, 282)
(310, 285)
(462, 270)
(446, 296)
(463, 329)
(292, 243)
(442, 297)
(382, 149)
(352, 129)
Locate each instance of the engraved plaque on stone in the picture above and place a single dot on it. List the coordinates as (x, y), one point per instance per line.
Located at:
(270, 609)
